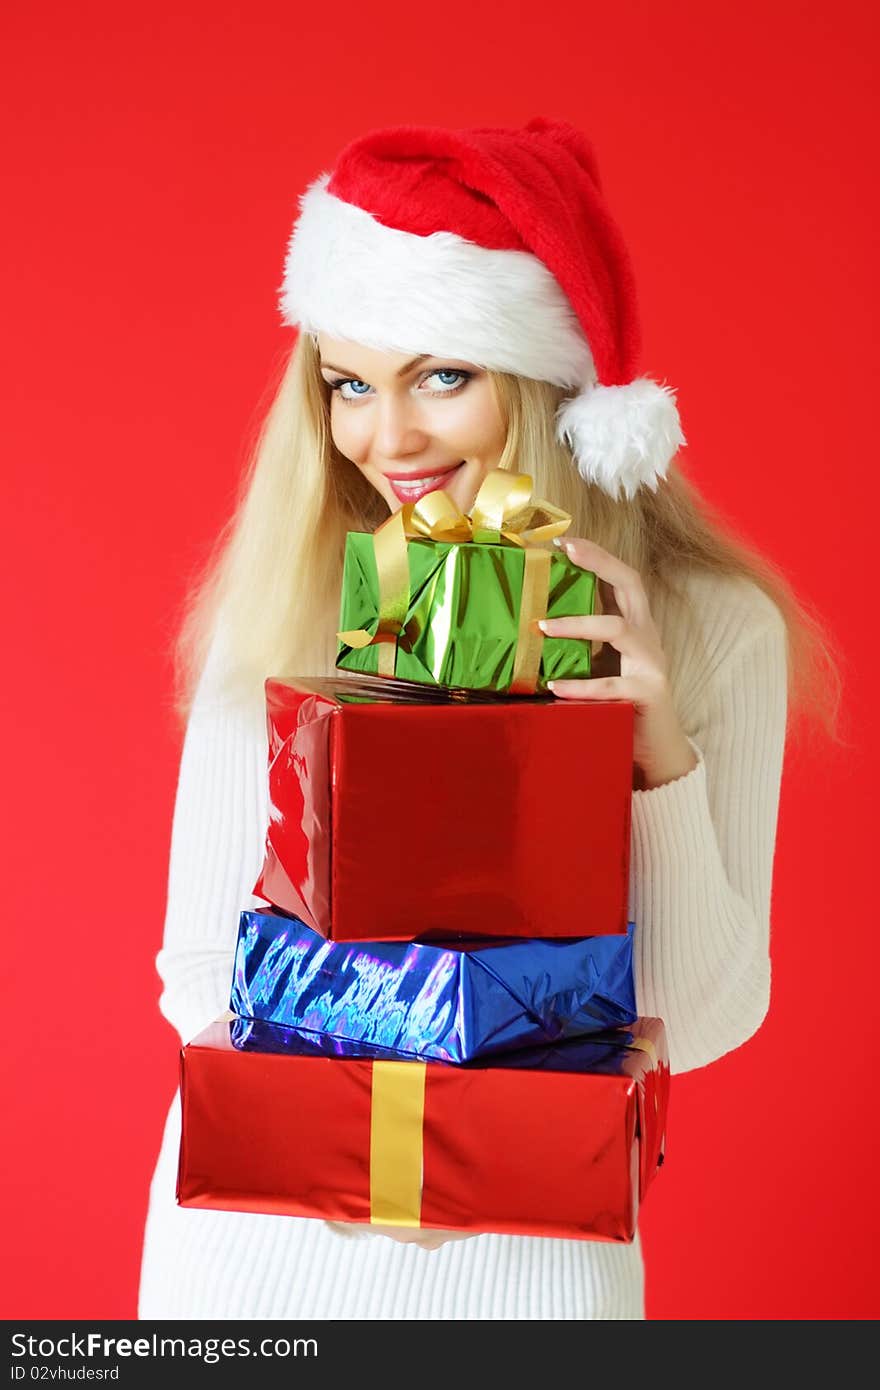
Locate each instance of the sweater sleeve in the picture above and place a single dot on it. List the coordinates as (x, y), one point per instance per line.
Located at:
(218, 832)
(702, 859)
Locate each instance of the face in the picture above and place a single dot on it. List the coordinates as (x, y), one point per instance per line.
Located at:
(412, 424)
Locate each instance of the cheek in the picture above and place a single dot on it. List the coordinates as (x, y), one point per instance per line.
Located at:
(348, 433)
(476, 424)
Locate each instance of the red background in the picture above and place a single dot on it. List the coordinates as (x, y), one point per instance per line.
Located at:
(157, 153)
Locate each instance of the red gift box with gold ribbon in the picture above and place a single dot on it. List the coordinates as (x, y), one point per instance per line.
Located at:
(558, 1141)
(399, 813)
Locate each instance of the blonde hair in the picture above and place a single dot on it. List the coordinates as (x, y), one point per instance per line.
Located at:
(277, 566)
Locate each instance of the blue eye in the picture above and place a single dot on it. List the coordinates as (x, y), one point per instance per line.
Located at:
(359, 388)
(458, 379)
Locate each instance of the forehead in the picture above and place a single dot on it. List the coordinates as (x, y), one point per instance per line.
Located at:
(372, 364)
(344, 353)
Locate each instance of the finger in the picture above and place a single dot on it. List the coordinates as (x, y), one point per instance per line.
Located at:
(609, 626)
(590, 555)
(624, 580)
(632, 642)
(601, 688)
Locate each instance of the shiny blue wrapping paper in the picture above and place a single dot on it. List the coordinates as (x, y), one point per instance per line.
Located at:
(605, 1053)
(446, 1002)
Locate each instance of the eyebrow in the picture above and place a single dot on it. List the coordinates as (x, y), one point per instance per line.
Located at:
(407, 366)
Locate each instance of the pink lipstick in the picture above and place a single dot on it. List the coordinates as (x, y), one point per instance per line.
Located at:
(409, 487)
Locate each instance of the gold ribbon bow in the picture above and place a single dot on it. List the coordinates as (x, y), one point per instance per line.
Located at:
(504, 513)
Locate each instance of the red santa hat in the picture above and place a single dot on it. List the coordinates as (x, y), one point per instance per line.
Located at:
(495, 247)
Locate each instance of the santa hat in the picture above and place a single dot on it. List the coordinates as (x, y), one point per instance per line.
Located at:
(495, 247)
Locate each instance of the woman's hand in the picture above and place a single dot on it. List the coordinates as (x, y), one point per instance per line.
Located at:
(661, 752)
(406, 1235)
(428, 1240)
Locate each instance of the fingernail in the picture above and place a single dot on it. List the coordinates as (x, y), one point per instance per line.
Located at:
(551, 685)
(543, 625)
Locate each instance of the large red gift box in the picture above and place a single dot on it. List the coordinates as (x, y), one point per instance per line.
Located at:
(559, 1141)
(394, 817)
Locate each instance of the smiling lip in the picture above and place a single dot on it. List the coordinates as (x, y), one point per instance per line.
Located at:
(409, 487)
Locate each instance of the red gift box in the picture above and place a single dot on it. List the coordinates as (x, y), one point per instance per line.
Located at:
(532, 1145)
(394, 819)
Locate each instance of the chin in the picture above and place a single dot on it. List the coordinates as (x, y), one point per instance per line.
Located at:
(466, 485)
(463, 492)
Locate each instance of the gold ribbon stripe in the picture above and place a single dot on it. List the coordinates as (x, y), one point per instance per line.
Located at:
(532, 607)
(398, 1109)
(392, 563)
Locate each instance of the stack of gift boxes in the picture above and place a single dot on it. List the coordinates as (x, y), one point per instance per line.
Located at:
(433, 1018)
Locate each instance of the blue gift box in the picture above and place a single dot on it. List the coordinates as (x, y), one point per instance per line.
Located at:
(429, 999)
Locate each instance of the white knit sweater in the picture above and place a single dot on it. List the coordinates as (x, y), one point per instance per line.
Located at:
(702, 853)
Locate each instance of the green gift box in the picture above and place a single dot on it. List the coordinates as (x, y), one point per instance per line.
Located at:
(453, 601)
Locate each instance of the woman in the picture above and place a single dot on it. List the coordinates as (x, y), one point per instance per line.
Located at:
(465, 302)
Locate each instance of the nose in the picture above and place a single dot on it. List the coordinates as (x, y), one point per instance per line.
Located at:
(398, 432)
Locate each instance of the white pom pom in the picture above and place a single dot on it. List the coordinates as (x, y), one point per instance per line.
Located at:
(622, 437)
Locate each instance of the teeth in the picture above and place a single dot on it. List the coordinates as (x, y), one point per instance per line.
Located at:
(421, 484)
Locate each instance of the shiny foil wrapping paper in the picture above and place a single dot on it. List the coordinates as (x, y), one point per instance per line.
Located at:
(449, 1002)
(462, 621)
(396, 816)
(554, 1141)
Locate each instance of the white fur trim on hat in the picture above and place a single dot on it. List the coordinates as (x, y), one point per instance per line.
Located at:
(622, 437)
(350, 276)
